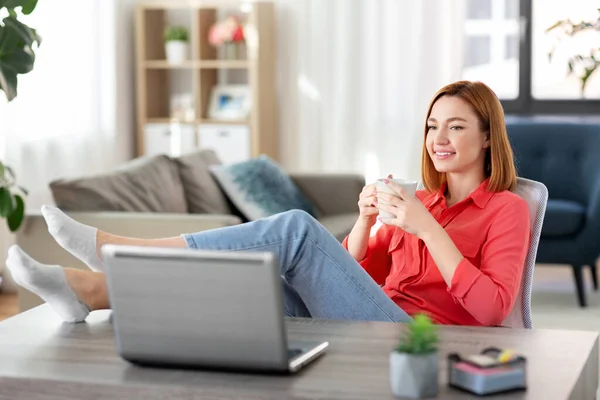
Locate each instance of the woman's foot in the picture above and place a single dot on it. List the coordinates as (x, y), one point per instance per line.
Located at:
(47, 281)
(78, 239)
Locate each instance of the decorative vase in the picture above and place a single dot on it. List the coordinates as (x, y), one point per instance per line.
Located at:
(233, 50)
(176, 51)
(414, 376)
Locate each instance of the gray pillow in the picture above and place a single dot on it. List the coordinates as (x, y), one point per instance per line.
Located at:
(142, 185)
(202, 193)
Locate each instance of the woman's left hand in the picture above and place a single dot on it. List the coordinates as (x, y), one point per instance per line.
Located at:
(410, 214)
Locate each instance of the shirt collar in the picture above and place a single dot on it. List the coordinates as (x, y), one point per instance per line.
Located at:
(479, 196)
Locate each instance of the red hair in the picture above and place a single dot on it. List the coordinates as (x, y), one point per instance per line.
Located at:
(499, 162)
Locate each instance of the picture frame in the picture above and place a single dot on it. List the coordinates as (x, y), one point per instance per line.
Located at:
(230, 102)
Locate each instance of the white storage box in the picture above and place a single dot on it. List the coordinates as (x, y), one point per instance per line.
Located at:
(231, 143)
(171, 139)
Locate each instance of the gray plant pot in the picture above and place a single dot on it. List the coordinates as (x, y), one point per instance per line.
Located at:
(414, 376)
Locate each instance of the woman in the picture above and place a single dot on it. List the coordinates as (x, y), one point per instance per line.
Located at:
(454, 251)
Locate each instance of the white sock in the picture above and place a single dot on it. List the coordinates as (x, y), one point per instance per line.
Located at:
(47, 281)
(75, 237)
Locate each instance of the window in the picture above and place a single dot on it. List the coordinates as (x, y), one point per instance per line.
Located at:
(550, 78)
(67, 91)
(492, 45)
(507, 46)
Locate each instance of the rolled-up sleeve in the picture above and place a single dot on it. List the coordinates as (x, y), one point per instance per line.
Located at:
(377, 261)
(488, 291)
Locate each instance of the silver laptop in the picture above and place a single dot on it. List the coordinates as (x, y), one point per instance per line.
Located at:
(201, 309)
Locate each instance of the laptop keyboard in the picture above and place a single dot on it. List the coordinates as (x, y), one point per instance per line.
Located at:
(294, 352)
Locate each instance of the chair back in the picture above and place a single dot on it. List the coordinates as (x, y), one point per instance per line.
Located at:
(536, 195)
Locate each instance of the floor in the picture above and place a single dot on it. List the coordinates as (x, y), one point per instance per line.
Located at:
(8, 305)
(554, 303)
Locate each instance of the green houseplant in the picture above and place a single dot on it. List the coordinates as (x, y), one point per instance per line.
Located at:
(176, 44)
(176, 33)
(12, 205)
(17, 57)
(16, 45)
(414, 362)
(582, 65)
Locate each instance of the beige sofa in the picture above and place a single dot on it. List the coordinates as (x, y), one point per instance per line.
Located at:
(334, 196)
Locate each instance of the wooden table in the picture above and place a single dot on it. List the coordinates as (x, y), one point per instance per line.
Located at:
(43, 358)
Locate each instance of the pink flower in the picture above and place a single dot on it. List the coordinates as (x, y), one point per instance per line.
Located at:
(228, 30)
(216, 36)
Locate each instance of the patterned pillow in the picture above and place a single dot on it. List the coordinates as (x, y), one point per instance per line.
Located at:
(260, 188)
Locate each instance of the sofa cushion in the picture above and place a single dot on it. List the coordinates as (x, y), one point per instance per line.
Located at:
(202, 193)
(260, 187)
(563, 218)
(142, 185)
(339, 225)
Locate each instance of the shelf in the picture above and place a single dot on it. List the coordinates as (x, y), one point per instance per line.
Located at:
(223, 122)
(169, 121)
(190, 4)
(233, 64)
(163, 64)
(162, 87)
(197, 121)
(206, 64)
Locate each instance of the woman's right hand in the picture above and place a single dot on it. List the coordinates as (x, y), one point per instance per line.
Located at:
(367, 205)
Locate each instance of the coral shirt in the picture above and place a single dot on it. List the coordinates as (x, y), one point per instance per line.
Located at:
(491, 230)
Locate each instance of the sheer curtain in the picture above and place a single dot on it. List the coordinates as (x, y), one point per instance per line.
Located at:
(74, 112)
(356, 77)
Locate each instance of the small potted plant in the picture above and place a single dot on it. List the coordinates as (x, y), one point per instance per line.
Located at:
(176, 44)
(414, 363)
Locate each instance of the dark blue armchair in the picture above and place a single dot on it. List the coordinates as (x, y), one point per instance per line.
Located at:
(565, 156)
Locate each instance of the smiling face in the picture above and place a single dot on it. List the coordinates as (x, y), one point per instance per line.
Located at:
(455, 141)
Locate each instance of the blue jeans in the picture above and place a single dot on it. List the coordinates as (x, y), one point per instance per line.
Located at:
(320, 278)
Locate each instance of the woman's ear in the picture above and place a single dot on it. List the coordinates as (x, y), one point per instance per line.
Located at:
(487, 142)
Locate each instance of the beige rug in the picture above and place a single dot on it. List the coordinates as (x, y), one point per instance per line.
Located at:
(554, 302)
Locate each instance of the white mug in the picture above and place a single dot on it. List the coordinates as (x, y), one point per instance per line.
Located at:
(381, 186)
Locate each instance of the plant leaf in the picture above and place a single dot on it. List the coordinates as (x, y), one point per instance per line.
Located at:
(16, 53)
(22, 30)
(1, 169)
(8, 82)
(29, 7)
(556, 25)
(13, 3)
(9, 40)
(25, 191)
(10, 172)
(420, 336)
(38, 38)
(6, 203)
(20, 61)
(16, 217)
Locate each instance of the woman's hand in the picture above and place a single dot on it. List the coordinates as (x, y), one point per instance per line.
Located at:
(410, 214)
(367, 205)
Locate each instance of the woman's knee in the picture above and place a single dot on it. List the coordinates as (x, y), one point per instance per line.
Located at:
(298, 217)
(297, 222)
